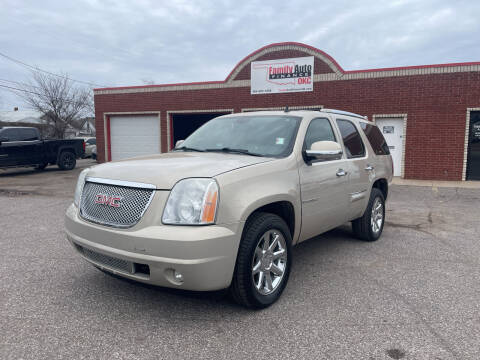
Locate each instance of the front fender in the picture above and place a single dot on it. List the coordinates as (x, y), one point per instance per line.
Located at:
(259, 203)
(245, 190)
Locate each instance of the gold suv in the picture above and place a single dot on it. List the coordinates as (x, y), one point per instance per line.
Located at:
(224, 207)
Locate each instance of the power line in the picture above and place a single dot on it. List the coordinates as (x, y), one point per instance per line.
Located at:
(19, 83)
(18, 62)
(14, 90)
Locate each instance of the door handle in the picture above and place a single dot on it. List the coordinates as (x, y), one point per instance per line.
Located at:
(341, 172)
(369, 168)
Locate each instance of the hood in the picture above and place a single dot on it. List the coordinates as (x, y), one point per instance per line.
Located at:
(164, 170)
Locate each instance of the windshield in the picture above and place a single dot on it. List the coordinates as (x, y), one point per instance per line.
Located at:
(265, 135)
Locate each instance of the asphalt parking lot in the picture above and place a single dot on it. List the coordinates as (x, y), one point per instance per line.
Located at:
(414, 294)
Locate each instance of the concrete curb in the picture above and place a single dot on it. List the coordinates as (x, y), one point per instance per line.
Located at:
(437, 183)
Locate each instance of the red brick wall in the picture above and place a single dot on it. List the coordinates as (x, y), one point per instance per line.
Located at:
(435, 104)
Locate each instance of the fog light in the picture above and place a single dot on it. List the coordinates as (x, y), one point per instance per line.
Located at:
(173, 276)
(178, 277)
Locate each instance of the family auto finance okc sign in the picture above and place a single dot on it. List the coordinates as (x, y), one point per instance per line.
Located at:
(282, 76)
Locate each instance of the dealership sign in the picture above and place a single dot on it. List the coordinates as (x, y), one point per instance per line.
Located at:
(282, 76)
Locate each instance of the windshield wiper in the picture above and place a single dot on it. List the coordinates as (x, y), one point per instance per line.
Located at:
(234, 151)
(186, 148)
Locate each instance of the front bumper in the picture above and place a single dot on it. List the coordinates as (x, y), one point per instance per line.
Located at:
(204, 255)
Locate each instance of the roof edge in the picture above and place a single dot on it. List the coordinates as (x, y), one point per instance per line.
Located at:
(309, 47)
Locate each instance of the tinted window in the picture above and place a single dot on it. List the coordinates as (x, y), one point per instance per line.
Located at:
(11, 134)
(374, 135)
(319, 130)
(27, 134)
(351, 139)
(92, 141)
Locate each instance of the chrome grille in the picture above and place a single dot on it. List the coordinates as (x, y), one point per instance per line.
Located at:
(133, 202)
(108, 261)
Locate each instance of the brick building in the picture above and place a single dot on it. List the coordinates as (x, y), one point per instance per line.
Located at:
(429, 114)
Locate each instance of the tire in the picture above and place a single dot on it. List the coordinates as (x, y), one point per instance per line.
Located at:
(249, 288)
(40, 167)
(94, 156)
(67, 160)
(365, 228)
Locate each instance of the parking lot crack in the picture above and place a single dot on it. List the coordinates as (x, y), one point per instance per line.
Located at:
(414, 310)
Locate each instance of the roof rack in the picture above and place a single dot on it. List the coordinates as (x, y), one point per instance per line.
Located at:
(341, 112)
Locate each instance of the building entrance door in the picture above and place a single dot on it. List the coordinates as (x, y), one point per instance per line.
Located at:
(473, 158)
(392, 130)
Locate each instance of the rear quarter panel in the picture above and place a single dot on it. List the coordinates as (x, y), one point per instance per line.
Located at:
(383, 164)
(53, 148)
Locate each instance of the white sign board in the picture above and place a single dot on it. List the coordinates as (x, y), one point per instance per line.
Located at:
(282, 76)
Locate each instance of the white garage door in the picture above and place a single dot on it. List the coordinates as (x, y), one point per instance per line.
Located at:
(134, 136)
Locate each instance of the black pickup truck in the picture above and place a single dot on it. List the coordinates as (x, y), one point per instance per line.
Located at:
(23, 146)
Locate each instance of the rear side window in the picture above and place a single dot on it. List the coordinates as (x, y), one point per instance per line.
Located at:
(351, 139)
(374, 135)
(28, 134)
(318, 130)
(92, 141)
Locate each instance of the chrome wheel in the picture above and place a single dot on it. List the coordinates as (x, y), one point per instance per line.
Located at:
(376, 219)
(269, 262)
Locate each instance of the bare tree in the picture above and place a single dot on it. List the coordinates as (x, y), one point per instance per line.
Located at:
(59, 99)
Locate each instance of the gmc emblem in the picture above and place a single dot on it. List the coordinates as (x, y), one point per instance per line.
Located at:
(108, 200)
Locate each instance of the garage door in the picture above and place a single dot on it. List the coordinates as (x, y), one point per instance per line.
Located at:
(134, 136)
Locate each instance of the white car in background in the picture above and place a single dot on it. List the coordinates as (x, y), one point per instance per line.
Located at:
(94, 152)
(90, 144)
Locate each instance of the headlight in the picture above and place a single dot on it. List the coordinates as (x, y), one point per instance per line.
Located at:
(79, 187)
(192, 202)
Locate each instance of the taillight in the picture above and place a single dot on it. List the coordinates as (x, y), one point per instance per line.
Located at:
(84, 146)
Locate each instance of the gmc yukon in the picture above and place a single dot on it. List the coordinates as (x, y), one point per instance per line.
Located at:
(224, 208)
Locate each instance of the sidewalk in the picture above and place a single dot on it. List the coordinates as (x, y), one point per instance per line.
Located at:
(437, 183)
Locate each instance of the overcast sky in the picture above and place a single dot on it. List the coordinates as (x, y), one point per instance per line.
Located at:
(118, 42)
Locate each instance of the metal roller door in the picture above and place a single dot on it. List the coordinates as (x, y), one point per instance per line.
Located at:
(132, 136)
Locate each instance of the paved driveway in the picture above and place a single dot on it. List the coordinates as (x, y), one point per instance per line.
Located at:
(414, 294)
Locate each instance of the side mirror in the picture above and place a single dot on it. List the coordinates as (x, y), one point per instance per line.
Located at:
(324, 151)
(3, 139)
(178, 143)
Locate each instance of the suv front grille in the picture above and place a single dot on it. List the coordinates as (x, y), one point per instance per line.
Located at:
(114, 205)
